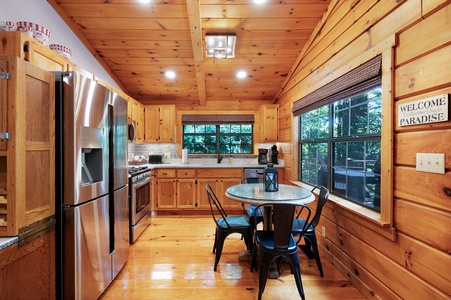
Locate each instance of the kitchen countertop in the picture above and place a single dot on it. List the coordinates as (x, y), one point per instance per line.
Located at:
(213, 163)
(8, 241)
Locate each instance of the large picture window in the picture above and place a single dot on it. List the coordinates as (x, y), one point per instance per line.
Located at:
(216, 135)
(340, 136)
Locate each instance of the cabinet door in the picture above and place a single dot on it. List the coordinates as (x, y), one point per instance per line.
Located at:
(166, 123)
(226, 202)
(269, 123)
(140, 124)
(151, 123)
(202, 197)
(166, 193)
(186, 193)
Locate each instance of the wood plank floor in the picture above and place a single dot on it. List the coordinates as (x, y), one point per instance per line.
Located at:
(173, 259)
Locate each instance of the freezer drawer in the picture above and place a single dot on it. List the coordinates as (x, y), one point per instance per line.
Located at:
(87, 262)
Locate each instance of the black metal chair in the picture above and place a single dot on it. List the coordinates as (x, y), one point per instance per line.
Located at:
(249, 210)
(309, 232)
(277, 243)
(226, 225)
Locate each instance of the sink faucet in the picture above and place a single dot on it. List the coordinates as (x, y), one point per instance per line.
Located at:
(220, 157)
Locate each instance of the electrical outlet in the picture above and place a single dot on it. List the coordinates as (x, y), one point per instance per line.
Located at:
(431, 162)
(167, 155)
(323, 231)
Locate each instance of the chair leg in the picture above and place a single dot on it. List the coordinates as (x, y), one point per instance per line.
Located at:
(314, 243)
(216, 236)
(296, 270)
(263, 270)
(219, 245)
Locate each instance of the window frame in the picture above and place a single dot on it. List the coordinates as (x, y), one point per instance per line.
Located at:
(218, 136)
(382, 222)
(331, 140)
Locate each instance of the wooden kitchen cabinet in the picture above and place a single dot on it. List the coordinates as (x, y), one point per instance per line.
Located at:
(138, 117)
(27, 48)
(159, 123)
(219, 181)
(27, 149)
(176, 189)
(269, 123)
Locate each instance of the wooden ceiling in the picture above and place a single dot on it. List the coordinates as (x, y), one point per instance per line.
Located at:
(138, 42)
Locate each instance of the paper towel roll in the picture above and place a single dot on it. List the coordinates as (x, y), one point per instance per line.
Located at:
(184, 156)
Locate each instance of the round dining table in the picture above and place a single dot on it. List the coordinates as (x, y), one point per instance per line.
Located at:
(254, 194)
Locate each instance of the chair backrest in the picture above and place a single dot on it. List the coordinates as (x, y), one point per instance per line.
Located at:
(322, 199)
(217, 211)
(249, 180)
(282, 222)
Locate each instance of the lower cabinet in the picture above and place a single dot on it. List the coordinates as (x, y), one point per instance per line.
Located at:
(185, 189)
(176, 189)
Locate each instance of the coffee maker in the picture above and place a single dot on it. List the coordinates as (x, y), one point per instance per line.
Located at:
(262, 156)
(274, 154)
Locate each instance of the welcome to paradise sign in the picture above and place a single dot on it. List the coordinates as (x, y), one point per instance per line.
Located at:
(429, 110)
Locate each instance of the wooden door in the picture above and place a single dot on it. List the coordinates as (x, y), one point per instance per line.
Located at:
(166, 123)
(186, 193)
(151, 126)
(228, 203)
(202, 197)
(166, 193)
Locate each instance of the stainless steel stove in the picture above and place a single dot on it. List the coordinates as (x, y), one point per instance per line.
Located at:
(140, 183)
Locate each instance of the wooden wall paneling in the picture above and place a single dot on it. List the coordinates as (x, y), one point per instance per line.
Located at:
(334, 54)
(429, 188)
(433, 32)
(344, 55)
(429, 6)
(427, 262)
(414, 255)
(369, 285)
(426, 73)
(412, 219)
(408, 144)
(400, 280)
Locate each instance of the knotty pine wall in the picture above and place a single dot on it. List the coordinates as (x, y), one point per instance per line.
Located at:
(414, 38)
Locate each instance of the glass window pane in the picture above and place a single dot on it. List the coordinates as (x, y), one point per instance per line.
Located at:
(200, 128)
(224, 129)
(188, 128)
(210, 129)
(246, 128)
(359, 120)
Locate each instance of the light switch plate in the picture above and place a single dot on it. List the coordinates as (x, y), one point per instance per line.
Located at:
(431, 162)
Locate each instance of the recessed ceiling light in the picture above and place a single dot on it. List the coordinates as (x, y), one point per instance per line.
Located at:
(241, 74)
(259, 1)
(144, 1)
(170, 74)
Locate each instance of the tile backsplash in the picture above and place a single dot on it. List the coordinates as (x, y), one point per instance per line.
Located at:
(146, 149)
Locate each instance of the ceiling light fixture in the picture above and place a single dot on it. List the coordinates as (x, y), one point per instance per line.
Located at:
(241, 74)
(220, 46)
(259, 1)
(170, 74)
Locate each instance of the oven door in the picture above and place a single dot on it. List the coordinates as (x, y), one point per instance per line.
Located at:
(140, 199)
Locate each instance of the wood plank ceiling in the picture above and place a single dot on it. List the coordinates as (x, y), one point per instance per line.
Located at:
(137, 42)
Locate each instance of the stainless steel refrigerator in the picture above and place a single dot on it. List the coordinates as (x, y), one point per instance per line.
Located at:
(92, 192)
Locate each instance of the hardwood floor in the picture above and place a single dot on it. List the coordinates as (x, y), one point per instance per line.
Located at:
(173, 259)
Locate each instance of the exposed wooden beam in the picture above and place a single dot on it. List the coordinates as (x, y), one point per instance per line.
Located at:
(193, 7)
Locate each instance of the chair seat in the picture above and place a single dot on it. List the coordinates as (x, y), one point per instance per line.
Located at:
(298, 224)
(266, 239)
(251, 212)
(234, 221)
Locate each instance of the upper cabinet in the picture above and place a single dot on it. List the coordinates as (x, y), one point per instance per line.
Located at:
(269, 123)
(27, 152)
(159, 123)
(27, 48)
